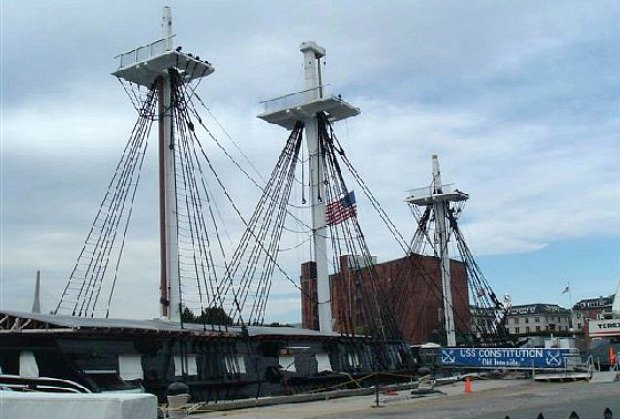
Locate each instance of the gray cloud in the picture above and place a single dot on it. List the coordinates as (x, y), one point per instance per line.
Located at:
(519, 99)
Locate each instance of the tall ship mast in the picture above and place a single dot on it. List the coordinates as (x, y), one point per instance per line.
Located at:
(212, 334)
(166, 68)
(436, 209)
(311, 104)
(438, 197)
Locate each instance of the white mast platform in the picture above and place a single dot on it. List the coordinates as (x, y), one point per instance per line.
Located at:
(304, 106)
(156, 64)
(288, 109)
(439, 197)
(145, 64)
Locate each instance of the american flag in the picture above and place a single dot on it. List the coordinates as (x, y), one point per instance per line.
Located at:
(338, 211)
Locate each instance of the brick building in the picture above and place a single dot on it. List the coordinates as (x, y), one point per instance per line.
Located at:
(536, 318)
(589, 309)
(411, 285)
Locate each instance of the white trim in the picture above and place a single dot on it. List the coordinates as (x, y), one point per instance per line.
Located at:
(288, 363)
(130, 367)
(28, 365)
(192, 366)
(323, 362)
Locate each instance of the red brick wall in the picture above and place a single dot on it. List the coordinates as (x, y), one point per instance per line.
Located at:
(410, 286)
(309, 314)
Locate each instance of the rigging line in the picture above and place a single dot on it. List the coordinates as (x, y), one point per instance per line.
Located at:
(337, 175)
(471, 262)
(118, 261)
(257, 213)
(190, 207)
(194, 165)
(110, 216)
(303, 186)
(353, 278)
(180, 151)
(229, 198)
(97, 279)
(173, 77)
(430, 283)
(131, 98)
(375, 203)
(202, 228)
(286, 249)
(210, 203)
(92, 230)
(203, 231)
(383, 215)
(229, 137)
(284, 175)
(231, 158)
(123, 160)
(282, 217)
(290, 230)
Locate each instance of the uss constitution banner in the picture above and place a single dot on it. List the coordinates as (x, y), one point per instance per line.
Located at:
(504, 357)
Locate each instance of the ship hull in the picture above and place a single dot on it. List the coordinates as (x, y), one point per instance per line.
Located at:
(217, 363)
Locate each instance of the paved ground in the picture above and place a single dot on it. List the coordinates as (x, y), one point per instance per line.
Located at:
(515, 399)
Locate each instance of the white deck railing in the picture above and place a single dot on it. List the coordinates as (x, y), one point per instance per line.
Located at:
(142, 53)
(291, 100)
(428, 190)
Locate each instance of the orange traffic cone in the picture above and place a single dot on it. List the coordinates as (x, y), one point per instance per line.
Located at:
(467, 385)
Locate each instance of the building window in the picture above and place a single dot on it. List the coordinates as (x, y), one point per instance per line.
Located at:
(516, 320)
(517, 331)
(527, 320)
(538, 328)
(537, 319)
(527, 329)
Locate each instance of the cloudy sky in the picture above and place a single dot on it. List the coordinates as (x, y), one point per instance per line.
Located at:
(520, 100)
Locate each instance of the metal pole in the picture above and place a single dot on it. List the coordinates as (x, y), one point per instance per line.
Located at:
(36, 304)
(442, 238)
(317, 189)
(163, 284)
(166, 28)
(169, 284)
(172, 247)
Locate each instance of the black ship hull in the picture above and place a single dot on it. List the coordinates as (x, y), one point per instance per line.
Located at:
(216, 363)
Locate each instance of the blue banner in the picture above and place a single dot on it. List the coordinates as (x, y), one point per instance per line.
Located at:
(504, 357)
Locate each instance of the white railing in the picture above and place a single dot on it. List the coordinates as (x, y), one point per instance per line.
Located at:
(142, 53)
(292, 100)
(428, 190)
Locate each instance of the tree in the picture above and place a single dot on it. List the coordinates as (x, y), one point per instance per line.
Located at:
(188, 316)
(214, 315)
(209, 315)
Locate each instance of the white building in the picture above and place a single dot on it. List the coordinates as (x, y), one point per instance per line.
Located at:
(537, 318)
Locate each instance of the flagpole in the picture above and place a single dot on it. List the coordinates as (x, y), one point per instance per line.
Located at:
(570, 301)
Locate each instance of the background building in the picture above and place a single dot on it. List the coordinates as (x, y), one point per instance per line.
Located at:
(537, 318)
(411, 285)
(588, 309)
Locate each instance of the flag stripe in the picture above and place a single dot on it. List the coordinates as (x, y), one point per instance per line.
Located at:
(338, 211)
